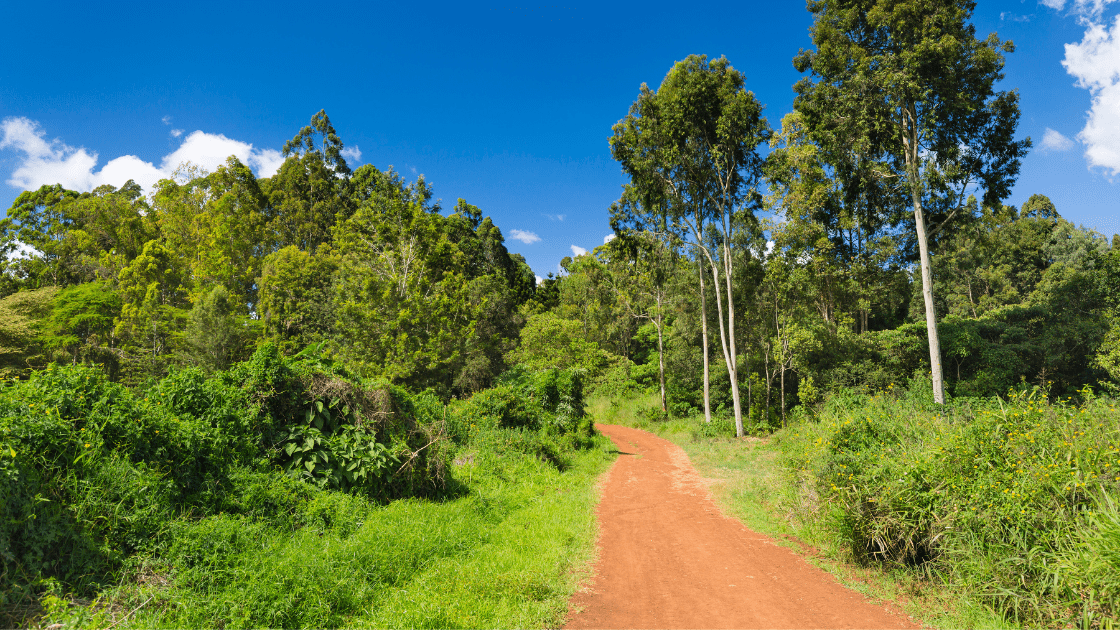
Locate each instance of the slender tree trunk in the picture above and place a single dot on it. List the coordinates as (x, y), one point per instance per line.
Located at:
(728, 358)
(732, 364)
(704, 333)
(661, 358)
(785, 355)
(910, 139)
(769, 381)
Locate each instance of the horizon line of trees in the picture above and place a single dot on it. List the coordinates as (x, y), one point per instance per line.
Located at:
(862, 243)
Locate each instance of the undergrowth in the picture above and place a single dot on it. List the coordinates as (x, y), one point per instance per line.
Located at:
(1012, 501)
(287, 493)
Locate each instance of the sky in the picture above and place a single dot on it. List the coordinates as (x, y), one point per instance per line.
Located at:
(508, 106)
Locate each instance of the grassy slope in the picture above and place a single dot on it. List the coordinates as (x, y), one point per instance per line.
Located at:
(749, 484)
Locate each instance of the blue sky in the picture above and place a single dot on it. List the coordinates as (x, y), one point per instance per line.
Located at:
(507, 105)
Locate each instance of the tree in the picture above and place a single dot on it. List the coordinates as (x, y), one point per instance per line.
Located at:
(643, 266)
(153, 298)
(912, 79)
(310, 193)
(296, 298)
(214, 337)
(81, 324)
(690, 149)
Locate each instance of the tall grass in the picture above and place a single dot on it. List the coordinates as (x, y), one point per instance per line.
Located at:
(1013, 501)
(172, 507)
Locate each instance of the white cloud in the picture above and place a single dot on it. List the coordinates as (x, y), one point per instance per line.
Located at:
(1095, 62)
(54, 162)
(1055, 141)
(1083, 8)
(525, 237)
(1013, 17)
(609, 237)
(175, 133)
(556, 217)
(578, 251)
(166, 120)
(352, 154)
(539, 280)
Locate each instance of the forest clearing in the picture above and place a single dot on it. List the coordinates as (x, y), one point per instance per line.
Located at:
(838, 381)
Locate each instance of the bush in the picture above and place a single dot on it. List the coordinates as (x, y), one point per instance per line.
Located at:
(1003, 498)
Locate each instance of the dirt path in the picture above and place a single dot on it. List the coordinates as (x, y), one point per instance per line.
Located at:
(669, 559)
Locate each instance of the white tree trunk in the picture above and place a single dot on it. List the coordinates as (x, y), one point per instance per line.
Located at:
(910, 140)
(704, 333)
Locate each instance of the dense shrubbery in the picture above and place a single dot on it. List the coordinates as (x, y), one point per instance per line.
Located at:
(1014, 500)
(185, 476)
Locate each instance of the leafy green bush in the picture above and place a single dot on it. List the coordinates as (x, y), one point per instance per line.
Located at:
(996, 496)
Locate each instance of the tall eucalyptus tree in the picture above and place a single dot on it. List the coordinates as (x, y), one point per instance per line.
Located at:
(912, 80)
(690, 149)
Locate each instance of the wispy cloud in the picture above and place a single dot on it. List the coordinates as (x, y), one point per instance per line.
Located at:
(1013, 17)
(556, 217)
(1055, 141)
(578, 251)
(525, 237)
(1084, 8)
(352, 154)
(166, 120)
(55, 162)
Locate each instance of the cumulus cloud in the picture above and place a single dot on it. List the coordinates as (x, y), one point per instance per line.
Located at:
(539, 280)
(524, 236)
(1095, 62)
(352, 154)
(578, 251)
(608, 238)
(54, 162)
(1055, 141)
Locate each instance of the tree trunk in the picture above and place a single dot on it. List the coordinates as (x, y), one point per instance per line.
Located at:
(704, 330)
(661, 359)
(732, 364)
(910, 139)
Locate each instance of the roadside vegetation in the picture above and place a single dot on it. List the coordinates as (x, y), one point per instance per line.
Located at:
(287, 493)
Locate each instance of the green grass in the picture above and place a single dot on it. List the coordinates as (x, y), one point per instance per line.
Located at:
(509, 552)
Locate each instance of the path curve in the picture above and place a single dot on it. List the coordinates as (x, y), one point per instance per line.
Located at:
(669, 559)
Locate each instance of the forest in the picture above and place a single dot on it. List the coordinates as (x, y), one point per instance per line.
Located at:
(208, 380)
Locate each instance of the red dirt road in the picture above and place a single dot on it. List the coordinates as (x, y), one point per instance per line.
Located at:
(670, 559)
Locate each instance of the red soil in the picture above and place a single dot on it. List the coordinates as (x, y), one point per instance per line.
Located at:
(670, 559)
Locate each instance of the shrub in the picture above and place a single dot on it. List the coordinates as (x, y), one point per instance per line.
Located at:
(1003, 497)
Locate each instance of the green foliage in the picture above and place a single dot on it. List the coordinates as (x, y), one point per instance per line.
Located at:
(214, 336)
(549, 341)
(21, 317)
(1000, 498)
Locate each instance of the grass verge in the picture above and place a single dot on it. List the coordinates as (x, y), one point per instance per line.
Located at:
(507, 553)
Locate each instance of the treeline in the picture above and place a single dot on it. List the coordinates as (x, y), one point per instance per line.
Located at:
(211, 265)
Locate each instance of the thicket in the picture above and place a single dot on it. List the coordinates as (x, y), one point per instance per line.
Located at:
(180, 481)
(1015, 500)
